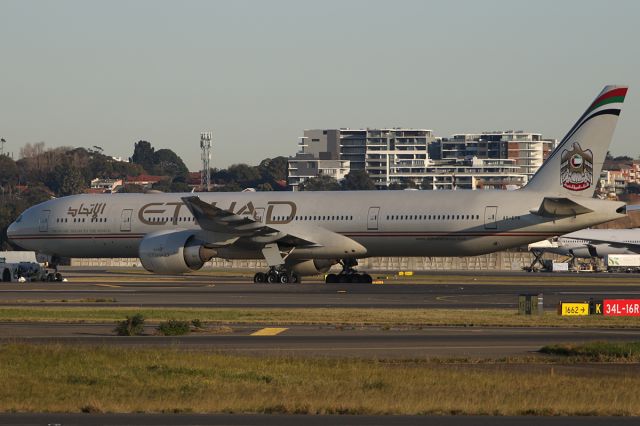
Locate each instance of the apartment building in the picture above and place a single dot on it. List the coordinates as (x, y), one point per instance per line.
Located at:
(414, 157)
(528, 150)
(388, 155)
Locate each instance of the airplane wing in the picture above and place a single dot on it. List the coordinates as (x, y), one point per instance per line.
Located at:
(223, 222)
(560, 207)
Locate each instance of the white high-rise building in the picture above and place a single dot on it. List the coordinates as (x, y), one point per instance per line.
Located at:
(528, 150)
(388, 155)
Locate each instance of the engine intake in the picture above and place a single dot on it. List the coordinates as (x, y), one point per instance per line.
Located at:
(173, 252)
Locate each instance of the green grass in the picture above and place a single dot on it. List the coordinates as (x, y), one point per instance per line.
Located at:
(320, 316)
(56, 378)
(598, 351)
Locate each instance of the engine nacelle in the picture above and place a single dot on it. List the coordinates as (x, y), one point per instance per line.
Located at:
(173, 252)
(312, 267)
(585, 251)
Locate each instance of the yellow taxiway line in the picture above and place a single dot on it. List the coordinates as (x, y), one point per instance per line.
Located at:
(269, 331)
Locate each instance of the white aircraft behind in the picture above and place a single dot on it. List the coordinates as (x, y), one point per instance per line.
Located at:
(590, 243)
(305, 233)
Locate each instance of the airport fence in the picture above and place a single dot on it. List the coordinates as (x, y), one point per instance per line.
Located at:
(500, 261)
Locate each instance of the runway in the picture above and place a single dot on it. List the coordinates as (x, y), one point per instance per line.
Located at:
(428, 291)
(459, 290)
(362, 342)
(454, 291)
(309, 420)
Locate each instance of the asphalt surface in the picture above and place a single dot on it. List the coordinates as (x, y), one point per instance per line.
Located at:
(437, 290)
(295, 420)
(459, 342)
(453, 290)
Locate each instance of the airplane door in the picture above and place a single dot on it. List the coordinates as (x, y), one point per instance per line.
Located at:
(43, 222)
(125, 220)
(491, 217)
(372, 220)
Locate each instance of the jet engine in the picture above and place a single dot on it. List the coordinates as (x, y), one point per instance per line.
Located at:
(312, 267)
(585, 251)
(173, 252)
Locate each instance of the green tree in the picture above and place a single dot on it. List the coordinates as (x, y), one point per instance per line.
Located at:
(8, 171)
(357, 180)
(167, 163)
(272, 169)
(66, 179)
(320, 183)
(143, 154)
(243, 173)
(131, 188)
(36, 194)
(264, 187)
(229, 187)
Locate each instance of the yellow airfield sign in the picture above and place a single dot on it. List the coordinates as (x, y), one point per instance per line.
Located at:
(574, 309)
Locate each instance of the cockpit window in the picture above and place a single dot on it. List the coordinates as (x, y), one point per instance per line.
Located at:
(19, 219)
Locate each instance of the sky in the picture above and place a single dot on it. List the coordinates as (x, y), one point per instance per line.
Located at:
(257, 73)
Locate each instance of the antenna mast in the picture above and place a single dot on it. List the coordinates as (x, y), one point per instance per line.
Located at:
(205, 173)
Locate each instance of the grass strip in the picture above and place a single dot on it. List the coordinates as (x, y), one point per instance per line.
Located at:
(314, 316)
(597, 351)
(63, 378)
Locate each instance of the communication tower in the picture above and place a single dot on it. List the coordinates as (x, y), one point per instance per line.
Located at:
(205, 173)
(2, 142)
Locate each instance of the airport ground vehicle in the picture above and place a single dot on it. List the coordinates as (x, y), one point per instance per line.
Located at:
(622, 262)
(23, 266)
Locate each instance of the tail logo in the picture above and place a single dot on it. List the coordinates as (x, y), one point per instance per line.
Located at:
(576, 168)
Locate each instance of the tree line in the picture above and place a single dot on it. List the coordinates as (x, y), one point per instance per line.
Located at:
(43, 173)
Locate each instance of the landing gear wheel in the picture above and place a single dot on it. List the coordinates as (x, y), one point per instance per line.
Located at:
(331, 279)
(295, 278)
(58, 277)
(260, 277)
(272, 278)
(284, 278)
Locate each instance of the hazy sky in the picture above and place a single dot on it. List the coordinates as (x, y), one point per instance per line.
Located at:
(256, 73)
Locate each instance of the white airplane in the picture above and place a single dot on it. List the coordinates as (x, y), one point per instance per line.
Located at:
(305, 233)
(590, 243)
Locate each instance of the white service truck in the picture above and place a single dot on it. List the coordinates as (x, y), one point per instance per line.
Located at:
(22, 266)
(622, 262)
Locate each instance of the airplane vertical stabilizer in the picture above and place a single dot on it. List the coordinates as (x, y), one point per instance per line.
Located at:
(574, 167)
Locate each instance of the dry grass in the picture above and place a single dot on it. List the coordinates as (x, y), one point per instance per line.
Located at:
(320, 316)
(597, 351)
(53, 378)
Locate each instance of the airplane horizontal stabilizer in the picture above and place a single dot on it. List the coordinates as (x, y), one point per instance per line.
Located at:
(560, 207)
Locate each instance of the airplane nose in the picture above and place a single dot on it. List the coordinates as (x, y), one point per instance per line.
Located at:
(11, 230)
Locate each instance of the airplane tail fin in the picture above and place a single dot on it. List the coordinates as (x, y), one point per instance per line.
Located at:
(574, 167)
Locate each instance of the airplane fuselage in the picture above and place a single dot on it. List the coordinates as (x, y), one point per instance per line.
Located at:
(385, 223)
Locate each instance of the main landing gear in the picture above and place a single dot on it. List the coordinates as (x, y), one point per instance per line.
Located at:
(349, 274)
(276, 275)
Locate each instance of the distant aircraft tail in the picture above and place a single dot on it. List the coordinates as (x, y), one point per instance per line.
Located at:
(574, 167)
